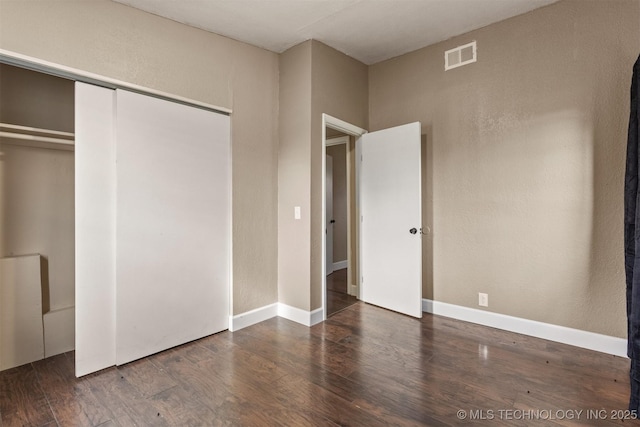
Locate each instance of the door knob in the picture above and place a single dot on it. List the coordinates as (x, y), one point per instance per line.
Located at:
(413, 231)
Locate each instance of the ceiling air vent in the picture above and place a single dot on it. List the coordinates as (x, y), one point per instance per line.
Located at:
(459, 56)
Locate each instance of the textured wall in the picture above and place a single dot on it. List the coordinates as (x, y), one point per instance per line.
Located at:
(524, 150)
(340, 89)
(294, 176)
(35, 99)
(120, 42)
(525, 157)
(314, 79)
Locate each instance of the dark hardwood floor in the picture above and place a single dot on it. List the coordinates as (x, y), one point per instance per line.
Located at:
(364, 366)
(337, 296)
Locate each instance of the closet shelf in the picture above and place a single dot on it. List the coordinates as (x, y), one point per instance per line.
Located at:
(36, 137)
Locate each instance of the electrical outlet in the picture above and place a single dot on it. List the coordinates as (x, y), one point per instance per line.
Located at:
(483, 299)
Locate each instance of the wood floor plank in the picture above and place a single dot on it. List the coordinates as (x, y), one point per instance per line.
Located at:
(294, 390)
(126, 403)
(70, 398)
(337, 298)
(351, 392)
(148, 379)
(22, 400)
(235, 389)
(337, 358)
(324, 377)
(179, 407)
(364, 366)
(124, 421)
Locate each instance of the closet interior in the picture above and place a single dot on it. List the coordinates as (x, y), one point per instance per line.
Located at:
(37, 249)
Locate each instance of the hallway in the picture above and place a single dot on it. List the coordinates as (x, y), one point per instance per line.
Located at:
(337, 297)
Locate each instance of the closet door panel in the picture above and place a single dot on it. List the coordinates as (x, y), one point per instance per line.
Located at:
(94, 228)
(173, 224)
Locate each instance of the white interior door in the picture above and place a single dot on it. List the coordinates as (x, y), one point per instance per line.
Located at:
(390, 208)
(329, 215)
(173, 224)
(95, 219)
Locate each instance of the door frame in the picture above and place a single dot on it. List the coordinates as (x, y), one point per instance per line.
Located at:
(351, 130)
(328, 197)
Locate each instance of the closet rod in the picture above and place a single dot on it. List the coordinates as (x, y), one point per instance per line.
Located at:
(35, 130)
(36, 138)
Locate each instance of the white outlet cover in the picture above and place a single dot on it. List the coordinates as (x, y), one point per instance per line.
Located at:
(483, 299)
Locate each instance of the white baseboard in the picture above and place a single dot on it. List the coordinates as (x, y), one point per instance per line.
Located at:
(340, 265)
(316, 316)
(307, 318)
(260, 314)
(576, 337)
(252, 317)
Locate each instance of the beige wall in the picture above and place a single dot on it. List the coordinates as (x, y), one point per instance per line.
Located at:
(525, 161)
(294, 176)
(314, 79)
(119, 42)
(340, 89)
(35, 99)
(339, 155)
(523, 150)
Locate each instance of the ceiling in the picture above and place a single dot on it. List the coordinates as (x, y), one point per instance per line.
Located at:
(368, 30)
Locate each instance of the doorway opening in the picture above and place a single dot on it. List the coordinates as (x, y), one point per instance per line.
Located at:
(340, 235)
(340, 294)
(384, 215)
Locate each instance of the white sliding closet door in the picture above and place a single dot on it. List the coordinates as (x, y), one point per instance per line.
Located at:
(95, 202)
(173, 224)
